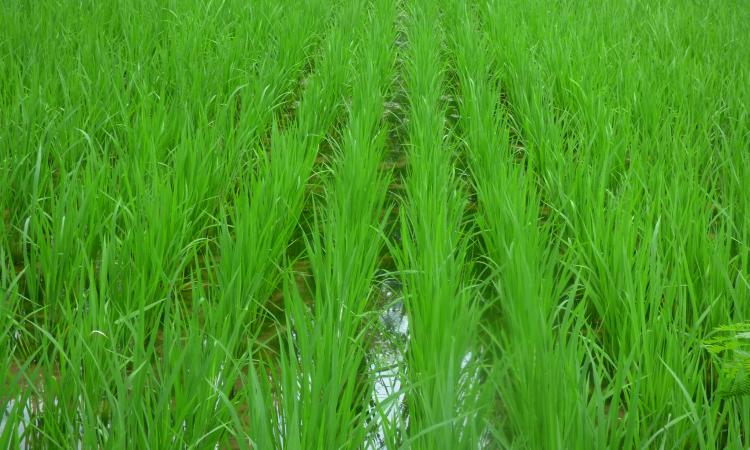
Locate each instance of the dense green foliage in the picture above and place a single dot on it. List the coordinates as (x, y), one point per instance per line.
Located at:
(200, 204)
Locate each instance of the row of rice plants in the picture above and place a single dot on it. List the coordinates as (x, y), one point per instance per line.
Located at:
(440, 300)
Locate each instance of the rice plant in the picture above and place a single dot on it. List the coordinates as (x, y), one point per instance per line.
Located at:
(377, 224)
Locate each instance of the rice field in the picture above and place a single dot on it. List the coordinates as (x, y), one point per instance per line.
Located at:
(375, 224)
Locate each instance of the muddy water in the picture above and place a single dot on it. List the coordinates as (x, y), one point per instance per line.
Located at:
(388, 364)
(23, 411)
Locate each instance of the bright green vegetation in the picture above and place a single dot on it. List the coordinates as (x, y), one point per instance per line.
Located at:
(200, 204)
